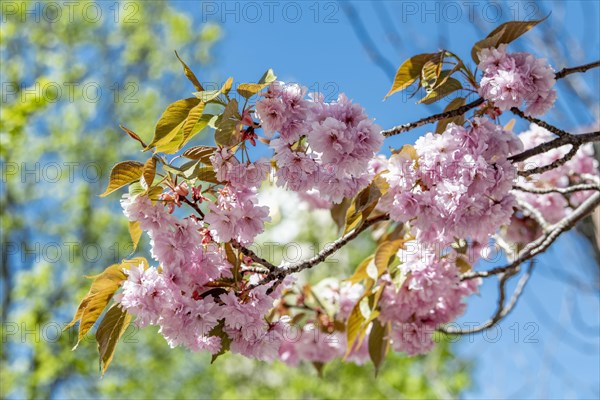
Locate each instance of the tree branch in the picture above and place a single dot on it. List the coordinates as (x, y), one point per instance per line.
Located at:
(543, 242)
(462, 110)
(502, 310)
(567, 190)
(279, 273)
(582, 68)
(249, 253)
(556, 143)
(558, 132)
(433, 118)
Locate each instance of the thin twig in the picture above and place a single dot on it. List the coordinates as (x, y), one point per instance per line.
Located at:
(285, 270)
(555, 164)
(543, 242)
(551, 128)
(249, 253)
(582, 68)
(567, 190)
(556, 143)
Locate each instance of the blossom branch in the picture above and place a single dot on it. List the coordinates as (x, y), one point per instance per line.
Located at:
(556, 143)
(433, 118)
(543, 242)
(249, 253)
(535, 214)
(463, 109)
(557, 131)
(567, 190)
(281, 272)
(582, 68)
(555, 164)
(503, 309)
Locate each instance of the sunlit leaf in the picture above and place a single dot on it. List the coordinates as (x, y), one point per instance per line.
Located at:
(149, 171)
(379, 343)
(268, 77)
(384, 253)
(135, 231)
(219, 331)
(226, 134)
(171, 121)
(361, 271)
(111, 328)
(200, 153)
(409, 72)
(505, 33)
(122, 174)
(190, 75)
(451, 85)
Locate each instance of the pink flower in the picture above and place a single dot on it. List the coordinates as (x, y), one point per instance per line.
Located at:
(509, 79)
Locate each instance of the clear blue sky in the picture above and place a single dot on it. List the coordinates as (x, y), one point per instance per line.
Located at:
(545, 349)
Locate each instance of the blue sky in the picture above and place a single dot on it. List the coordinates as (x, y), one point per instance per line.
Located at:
(549, 346)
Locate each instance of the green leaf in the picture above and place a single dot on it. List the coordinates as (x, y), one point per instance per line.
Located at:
(379, 343)
(354, 326)
(505, 33)
(409, 72)
(191, 120)
(459, 120)
(149, 171)
(226, 134)
(171, 121)
(135, 231)
(200, 153)
(110, 330)
(268, 77)
(219, 331)
(190, 75)
(122, 174)
(451, 85)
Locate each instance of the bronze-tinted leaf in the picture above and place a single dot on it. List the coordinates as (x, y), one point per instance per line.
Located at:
(458, 120)
(172, 120)
(122, 174)
(200, 153)
(379, 343)
(190, 74)
(149, 171)
(409, 72)
(111, 328)
(505, 33)
(451, 85)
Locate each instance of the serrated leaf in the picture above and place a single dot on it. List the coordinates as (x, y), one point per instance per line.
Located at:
(200, 153)
(135, 231)
(338, 212)
(190, 74)
(122, 174)
(361, 271)
(504, 33)
(226, 134)
(268, 77)
(110, 330)
(149, 171)
(451, 85)
(458, 120)
(379, 343)
(432, 69)
(95, 301)
(191, 120)
(409, 72)
(247, 90)
(171, 121)
(383, 255)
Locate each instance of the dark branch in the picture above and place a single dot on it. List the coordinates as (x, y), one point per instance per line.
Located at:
(582, 68)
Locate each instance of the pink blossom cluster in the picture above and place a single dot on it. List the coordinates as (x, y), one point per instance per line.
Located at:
(236, 215)
(323, 146)
(509, 79)
(316, 343)
(553, 206)
(231, 171)
(177, 295)
(428, 295)
(459, 184)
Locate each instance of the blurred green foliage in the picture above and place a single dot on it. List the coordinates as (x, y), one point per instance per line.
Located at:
(59, 141)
